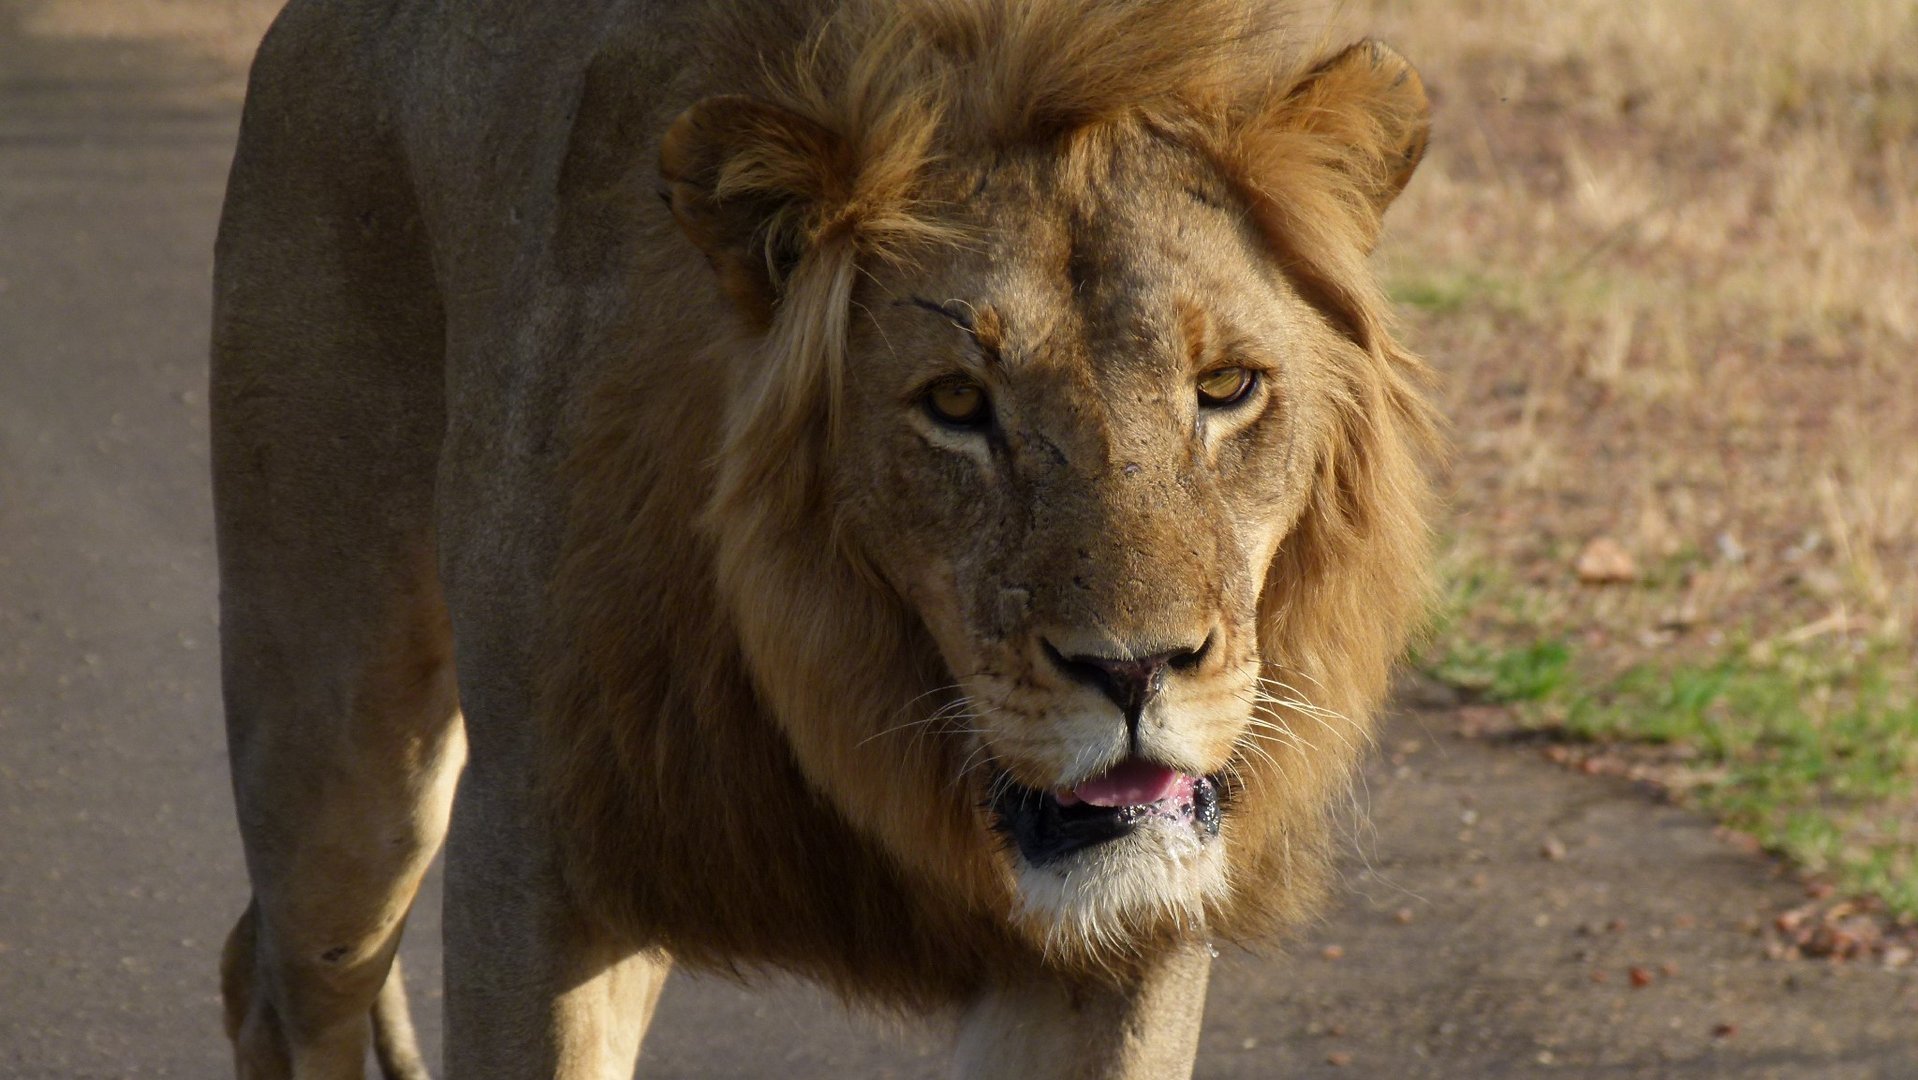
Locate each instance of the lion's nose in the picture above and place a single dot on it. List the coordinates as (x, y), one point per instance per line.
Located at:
(1130, 682)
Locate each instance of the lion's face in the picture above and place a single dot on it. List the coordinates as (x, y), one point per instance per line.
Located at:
(1073, 443)
(1067, 424)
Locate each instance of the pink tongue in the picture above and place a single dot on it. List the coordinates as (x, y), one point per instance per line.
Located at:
(1132, 783)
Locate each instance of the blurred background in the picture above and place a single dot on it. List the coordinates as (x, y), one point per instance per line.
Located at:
(1667, 256)
(1651, 802)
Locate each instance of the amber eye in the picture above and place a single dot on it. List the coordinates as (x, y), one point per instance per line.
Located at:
(958, 402)
(1226, 385)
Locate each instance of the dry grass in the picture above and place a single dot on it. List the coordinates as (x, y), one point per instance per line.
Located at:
(1668, 255)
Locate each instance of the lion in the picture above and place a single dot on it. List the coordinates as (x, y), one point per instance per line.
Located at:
(924, 496)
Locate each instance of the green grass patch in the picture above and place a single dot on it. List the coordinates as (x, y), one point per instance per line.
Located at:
(1814, 752)
(1527, 673)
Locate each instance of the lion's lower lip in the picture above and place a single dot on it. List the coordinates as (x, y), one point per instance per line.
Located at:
(1047, 828)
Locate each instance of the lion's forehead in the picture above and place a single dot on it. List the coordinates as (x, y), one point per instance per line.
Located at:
(1103, 269)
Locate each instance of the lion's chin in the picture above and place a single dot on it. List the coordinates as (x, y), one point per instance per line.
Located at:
(1139, 856)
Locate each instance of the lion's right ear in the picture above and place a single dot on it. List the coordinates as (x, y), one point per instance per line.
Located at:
(748, 181)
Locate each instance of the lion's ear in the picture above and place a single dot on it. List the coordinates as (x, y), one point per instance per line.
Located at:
(1369, 103)
(745, 179)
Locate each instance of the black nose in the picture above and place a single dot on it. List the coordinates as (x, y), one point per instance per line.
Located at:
(1130, 683)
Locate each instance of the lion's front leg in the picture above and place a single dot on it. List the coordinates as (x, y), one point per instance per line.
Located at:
(1044, 1030)
(533, 987)
(536, 984)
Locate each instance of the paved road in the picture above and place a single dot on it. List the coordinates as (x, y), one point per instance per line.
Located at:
(1461, 952)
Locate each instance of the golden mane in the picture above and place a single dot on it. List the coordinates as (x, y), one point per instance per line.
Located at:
(891, 99)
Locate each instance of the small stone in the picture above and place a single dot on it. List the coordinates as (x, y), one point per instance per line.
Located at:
(1684, 615)
(1402, 916)
(1338, 1059)
(1724, 1030)
(1729, 549)
(1641, 977)
(1332, 952)
(1604, 561)
(1552, 848)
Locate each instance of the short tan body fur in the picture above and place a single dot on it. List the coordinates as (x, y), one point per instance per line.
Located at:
(588, 361)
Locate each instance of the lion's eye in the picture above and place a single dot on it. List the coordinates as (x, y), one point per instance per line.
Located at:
(1226, 385)
(958, 402)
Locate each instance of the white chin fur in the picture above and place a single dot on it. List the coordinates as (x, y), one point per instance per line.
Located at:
(1095, 899)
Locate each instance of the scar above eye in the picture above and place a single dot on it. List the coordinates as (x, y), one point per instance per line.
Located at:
(982, 325)
(957, 312)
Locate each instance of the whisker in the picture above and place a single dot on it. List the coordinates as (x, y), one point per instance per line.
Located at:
(1300, 672)
(1322, 717)
(1271, 722)
(935, 690)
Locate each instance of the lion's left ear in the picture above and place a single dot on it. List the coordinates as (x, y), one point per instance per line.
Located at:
(745, 179)
(1365, 109)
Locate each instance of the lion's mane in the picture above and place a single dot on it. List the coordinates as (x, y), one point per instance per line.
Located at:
(724, 674)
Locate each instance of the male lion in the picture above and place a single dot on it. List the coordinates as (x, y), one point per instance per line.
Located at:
(917, 494)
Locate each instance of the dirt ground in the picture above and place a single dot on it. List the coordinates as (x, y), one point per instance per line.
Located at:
(1502, 916)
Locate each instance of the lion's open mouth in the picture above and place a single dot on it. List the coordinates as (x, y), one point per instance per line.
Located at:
(1049, 826)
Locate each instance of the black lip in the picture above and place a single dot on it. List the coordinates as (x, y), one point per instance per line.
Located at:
(1046, 831)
